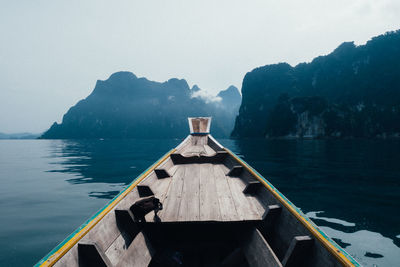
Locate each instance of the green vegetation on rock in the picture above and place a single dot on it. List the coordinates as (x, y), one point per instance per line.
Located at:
(352, 92)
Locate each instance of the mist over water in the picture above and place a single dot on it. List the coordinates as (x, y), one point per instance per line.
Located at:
(350, 188)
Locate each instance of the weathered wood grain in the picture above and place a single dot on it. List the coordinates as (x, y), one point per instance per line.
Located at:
(245, 206)
(159, 187)
(138, 254)
(209, 205)
(116, 250)
(173, 196)
(189, 209)
(225, 200)
(104, 233)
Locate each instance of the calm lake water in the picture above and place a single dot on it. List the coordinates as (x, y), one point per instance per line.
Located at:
(350, 188)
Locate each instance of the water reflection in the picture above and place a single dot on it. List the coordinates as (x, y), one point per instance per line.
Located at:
(113, 162)
(367, 247)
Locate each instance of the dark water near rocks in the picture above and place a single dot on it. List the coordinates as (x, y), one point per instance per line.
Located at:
(350, 188)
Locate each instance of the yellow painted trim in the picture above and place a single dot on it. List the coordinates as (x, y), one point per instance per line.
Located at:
(327, 244)
(68, 245)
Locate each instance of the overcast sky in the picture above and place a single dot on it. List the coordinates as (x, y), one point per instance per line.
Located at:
(52, 52)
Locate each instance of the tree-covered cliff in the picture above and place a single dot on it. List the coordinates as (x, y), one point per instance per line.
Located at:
(352, 92)
(125, 106)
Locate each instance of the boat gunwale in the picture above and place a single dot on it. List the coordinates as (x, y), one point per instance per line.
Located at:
(62, 248)
(338, 252)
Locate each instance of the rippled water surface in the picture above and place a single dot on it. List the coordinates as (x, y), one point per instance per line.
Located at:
(350, 188)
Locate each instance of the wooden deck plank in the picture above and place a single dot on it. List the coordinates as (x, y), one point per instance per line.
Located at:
(225, 200)
(257, 204)
(189, 209)
(254, 200)
(244, 205)
(209, 205)
(203, 192)
(173, 196)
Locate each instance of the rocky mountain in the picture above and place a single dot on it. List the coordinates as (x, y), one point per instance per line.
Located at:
(352, 92)
(125, 106)
(230, 99)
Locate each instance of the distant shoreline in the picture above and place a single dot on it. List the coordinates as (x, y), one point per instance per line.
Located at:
(19, 136)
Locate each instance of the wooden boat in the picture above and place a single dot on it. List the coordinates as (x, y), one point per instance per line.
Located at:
(199, 205)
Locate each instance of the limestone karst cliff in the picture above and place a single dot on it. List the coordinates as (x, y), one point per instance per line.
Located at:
(352, 92)
(125, 106)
